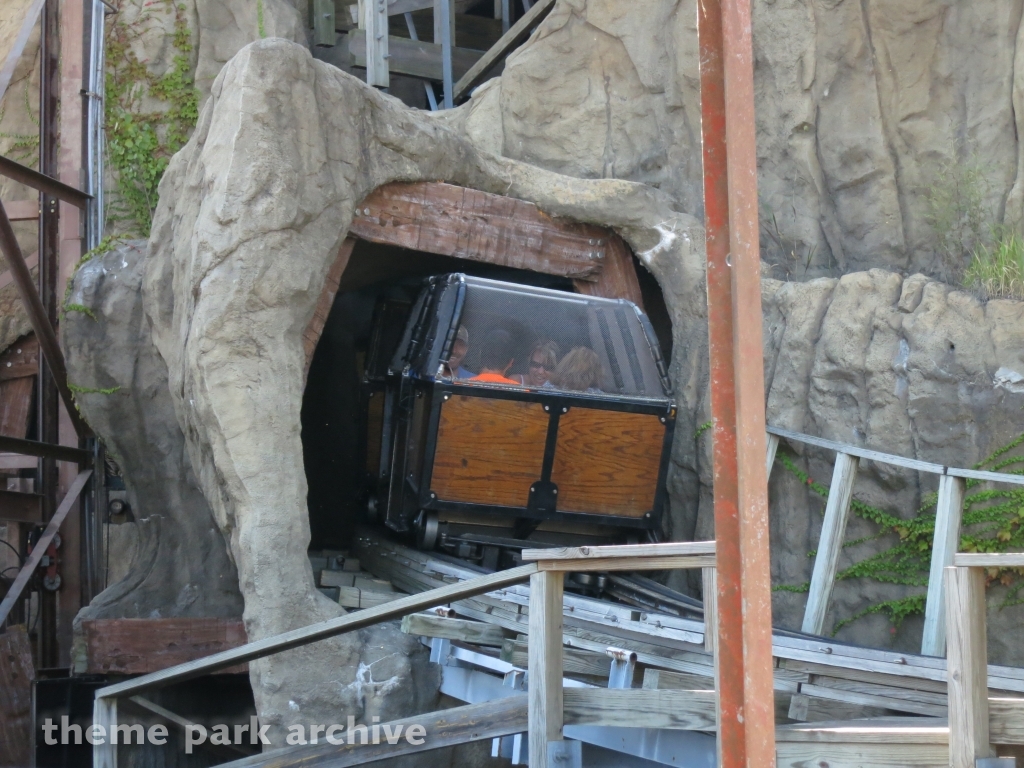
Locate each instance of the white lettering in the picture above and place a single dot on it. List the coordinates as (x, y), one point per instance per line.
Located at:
(392, 737)
(66, 731)
(127, 730)
(296, 735)
(157, 734)
(96, 734)
(194, 736)
(48, 727)
(221, 736)
(313, 731)
(335, 740)
(414, 732)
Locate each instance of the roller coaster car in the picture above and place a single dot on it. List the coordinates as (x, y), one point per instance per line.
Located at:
(481, 466)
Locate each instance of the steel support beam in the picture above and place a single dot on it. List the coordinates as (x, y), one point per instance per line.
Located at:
(747, 730)
(44, 450)
(50, 186)
(37, 316)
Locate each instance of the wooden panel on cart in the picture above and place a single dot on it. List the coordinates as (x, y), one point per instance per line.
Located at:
(488, 451)
(374, 430)
(607, 462)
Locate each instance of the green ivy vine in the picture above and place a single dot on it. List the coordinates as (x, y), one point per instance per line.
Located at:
(23, 147)
(993, 521)
(140, 144)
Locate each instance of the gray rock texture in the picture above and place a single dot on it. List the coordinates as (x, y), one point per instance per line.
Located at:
(859, 105)
(251, 216)
(181, 566)
(904, 366)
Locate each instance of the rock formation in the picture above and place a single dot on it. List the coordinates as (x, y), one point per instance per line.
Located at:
(253, 209)
(861, 110)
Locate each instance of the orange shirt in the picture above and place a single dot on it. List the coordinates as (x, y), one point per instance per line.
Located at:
(493, 378)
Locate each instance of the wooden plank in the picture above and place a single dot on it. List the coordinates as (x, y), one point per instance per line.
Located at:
(684, 548)
(516, 34)
(988, 560)
(968, 684)
(17, 461)
(861, 755)
(413, 58)
(618, 278)
(887, 731)
(28, 17)
(488, 451)
(870, 700)
(981, 474)
(668, 562)
(322, 630)
(22, 210)
(141, 646)
(662, 679)
(469, 224)
(104, 714)
(861, 453)
(444, 728)
(1006, 720)
(21, 507)
(33, 560)
(575, 661)
(44, 450)
(830, 544)
(608, 462)
(948, 516)
(477, 632)
(21, 359)
(16, 397)
(311, 335)
(16, 674)
(323, 23)
(355, 597)
(545, 667)
(639, 708)
(376, 41)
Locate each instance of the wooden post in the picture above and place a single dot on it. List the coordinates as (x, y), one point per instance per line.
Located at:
(710, 611)
(948, 515)
(773, 448)
(967, 669)
(444, 34)
(375, 21)
(104, 713)
(506, 15)
(545, 664)
(323, 23)
(831, 544)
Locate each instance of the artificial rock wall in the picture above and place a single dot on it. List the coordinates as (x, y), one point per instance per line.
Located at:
(253, 209)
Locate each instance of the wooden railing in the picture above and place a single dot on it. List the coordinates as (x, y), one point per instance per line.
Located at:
(105, 705)
(949, 515)
(971, 711)
(549, 703)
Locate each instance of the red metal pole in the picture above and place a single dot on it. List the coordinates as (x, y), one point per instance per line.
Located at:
(748, 352)
(731, 730)
(746, 697)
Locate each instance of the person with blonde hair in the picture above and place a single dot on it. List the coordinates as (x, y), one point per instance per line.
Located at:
(542, 361)
(579, 370)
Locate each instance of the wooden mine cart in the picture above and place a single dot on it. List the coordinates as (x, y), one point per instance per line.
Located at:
(474, 464)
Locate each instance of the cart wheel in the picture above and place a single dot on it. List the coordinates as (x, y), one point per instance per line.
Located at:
(426, 530)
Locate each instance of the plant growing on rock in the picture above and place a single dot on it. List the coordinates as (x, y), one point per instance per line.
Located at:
(998, 270)
(140, 143)
(957, 208)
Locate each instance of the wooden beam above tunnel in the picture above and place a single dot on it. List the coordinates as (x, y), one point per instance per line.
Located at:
(469, 224)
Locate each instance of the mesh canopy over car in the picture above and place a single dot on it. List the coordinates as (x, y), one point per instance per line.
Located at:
(555, 340)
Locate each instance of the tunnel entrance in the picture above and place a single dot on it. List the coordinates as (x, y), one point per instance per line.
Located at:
(332, 439)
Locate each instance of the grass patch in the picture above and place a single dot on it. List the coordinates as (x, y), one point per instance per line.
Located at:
(998, 270)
